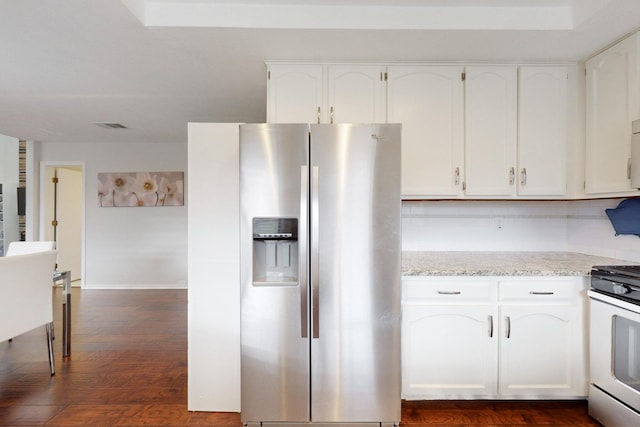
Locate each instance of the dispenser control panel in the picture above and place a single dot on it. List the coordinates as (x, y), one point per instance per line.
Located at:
(275, 228)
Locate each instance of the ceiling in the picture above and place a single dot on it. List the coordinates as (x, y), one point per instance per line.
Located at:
(155, 65)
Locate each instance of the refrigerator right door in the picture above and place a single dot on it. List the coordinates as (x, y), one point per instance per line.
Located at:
(355, 273)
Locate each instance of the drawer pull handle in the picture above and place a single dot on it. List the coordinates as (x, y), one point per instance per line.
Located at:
(449, 292)
(490, 320)
(540, 293)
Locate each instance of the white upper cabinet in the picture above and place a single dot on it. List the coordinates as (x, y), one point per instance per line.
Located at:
(356, 94)
(294, 93)
(428, 102)
(516, 131)
(309, 93)
(612, 102)
(490, 130)
(543, 108)
(467, 132)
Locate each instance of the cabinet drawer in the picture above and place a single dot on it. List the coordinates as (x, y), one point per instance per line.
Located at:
(447, 290)
(543, 290)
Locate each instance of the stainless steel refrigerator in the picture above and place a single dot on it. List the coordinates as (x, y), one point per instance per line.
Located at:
(320, 273)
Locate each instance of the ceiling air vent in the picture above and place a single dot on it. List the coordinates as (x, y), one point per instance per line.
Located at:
(111, 125)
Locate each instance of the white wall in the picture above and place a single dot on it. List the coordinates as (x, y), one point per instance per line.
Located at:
(129, 247)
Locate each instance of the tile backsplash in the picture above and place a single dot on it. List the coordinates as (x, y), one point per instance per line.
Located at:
(590, 231)
(575, 226)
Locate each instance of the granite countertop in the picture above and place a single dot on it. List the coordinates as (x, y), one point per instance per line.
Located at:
(501, 263)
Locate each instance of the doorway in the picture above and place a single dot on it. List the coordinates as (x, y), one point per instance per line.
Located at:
(62, 215)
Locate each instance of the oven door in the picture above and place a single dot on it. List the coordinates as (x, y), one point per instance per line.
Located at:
(615, 348)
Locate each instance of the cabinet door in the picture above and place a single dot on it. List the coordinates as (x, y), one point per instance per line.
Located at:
(542, 133)
(540, 351)
(355, 94)
(612, 104)
(428, 101)
(448, 351)
(490, 130)
(294, 93)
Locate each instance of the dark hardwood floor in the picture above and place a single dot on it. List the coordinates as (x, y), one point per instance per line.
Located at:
(128, 367)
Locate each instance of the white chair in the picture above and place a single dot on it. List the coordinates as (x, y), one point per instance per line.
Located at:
(20, 248)
(26, 300)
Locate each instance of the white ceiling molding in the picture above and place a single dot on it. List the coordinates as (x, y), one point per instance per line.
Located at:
(377, 15)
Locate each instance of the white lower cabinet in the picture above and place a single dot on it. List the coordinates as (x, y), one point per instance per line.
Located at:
(493, 338)
(537, 351)
(462, 363)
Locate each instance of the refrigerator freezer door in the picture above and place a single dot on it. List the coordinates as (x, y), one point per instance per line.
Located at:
(275, 352)
(355, 360)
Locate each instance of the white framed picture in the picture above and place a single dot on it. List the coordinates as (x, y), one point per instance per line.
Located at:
(137, 189)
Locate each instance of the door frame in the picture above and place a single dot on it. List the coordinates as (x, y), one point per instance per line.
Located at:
(42, 208)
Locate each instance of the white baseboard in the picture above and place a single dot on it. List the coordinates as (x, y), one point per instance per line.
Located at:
(135, 286)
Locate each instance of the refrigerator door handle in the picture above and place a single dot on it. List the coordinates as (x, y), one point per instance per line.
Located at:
(315, 228)
(303, 250)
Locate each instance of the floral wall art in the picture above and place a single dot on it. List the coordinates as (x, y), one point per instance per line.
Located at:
(141, 189)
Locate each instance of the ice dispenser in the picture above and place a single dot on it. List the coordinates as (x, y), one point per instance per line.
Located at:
(275, 251)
